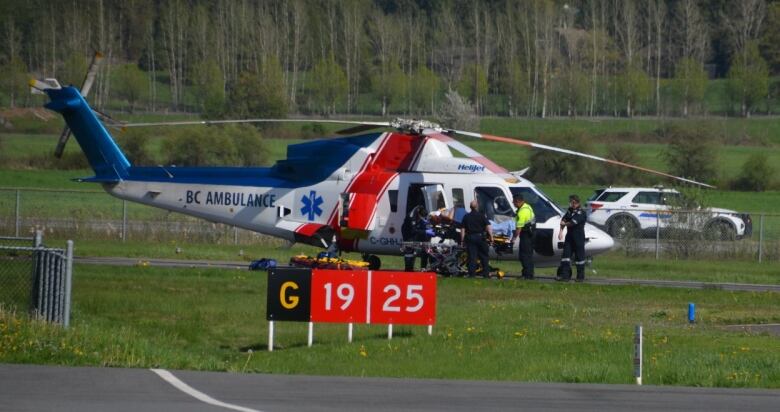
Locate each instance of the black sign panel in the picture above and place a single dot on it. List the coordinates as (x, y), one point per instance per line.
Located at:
(289, 294)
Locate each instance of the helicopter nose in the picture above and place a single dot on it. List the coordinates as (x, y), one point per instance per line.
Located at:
(598, 240)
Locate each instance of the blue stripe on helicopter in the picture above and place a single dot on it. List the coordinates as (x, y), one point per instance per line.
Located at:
(653, 215)
(306, 163)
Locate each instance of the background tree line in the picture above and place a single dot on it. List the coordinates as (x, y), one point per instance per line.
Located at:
(506, 57)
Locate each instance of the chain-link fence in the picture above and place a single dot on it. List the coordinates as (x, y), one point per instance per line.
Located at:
(696, 234)
(663, 232)
(36, 279)
(97, 215)
(16, 259)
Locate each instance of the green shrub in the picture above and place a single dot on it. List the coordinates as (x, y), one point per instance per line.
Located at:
(691, 153)
(756, 174)
(135, 145)
(551, 167)
(231, 145)
(613, 174)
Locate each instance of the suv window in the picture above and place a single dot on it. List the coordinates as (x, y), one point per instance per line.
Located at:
(611, 196)
(595, 194)
(650, 198)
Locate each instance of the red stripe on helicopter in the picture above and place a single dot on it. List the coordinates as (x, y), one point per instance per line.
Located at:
(309, 229)
(396, 154)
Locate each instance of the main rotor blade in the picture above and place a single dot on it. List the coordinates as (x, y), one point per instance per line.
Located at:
(357, 129)
(573, 153)
(210, 122)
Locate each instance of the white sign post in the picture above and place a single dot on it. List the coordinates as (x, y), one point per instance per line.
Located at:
(638, 354)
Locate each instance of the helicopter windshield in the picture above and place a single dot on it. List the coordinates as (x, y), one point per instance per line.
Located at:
(543, 208)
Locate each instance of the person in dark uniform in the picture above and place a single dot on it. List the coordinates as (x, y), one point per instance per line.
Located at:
(475, 228)
(416, 228)
(525, 223)
(574, 222)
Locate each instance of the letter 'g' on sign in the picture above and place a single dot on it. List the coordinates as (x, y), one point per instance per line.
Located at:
(289, 294)
(288, 301)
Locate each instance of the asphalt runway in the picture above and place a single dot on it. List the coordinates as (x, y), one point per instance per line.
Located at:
(44, 388)
(121, 261)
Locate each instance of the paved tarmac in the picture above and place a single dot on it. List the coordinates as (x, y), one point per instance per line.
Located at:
(44, 388)
(121, 261)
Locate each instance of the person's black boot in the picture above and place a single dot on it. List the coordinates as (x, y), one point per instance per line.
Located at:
(580, 273)
(564, 273)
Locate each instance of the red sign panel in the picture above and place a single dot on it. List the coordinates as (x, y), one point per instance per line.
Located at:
(339, 296)
(403, 298)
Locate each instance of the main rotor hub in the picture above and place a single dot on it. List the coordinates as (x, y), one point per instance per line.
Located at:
(415, 126)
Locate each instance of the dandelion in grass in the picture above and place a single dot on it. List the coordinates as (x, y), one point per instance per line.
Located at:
(363, 352)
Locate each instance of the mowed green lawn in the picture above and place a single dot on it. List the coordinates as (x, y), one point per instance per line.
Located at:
(209, 319)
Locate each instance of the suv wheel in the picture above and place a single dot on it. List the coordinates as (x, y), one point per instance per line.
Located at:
(720, 230)
(622, 227)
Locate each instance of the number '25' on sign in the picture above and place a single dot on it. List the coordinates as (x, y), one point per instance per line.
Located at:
(373, 297)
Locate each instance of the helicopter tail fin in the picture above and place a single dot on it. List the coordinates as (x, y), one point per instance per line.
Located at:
(103, 154)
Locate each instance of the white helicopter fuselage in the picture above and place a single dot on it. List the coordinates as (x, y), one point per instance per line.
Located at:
(365, 221)
(350, 192)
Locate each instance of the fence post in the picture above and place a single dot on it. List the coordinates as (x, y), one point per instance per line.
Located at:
(657, 234)
(124, 221)
(38, 242)
(18, 218)
(235, 235)
(760, 238)
(68, 279)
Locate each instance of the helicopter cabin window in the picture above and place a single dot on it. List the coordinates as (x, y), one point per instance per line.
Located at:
(543, 208)
(493, 203)
(457, 198)
(458, 204)
(392, 195)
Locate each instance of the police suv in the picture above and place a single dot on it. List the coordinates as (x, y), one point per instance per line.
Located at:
(635, 211)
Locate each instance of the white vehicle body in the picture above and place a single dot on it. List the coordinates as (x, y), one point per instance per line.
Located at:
(624, 211)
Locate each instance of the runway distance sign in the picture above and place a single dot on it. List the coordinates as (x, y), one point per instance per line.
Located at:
(341, 296)
(403, 298)
(289, 294)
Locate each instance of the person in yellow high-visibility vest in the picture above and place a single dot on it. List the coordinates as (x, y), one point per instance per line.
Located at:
(525, 223)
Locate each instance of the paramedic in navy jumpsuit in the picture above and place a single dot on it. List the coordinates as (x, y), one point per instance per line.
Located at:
(574, 222)
(475, 228)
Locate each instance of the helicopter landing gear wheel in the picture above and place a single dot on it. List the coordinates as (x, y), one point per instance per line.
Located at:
(373, 262)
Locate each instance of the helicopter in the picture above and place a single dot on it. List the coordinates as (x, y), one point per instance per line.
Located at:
(349, 194)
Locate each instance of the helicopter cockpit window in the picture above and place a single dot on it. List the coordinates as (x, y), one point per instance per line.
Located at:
(543, 208)
(493, 202)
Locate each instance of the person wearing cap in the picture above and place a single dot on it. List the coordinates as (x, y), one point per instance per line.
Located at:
(574, 224)
(525, 223)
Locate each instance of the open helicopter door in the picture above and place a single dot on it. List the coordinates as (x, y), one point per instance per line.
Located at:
(355, 214)
(434, 197)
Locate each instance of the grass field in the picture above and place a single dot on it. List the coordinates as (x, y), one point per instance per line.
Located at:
(208, 319)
